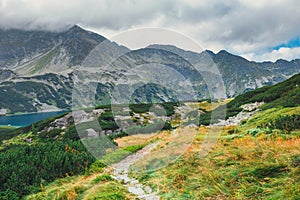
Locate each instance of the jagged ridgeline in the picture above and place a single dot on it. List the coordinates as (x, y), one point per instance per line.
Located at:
(37, 70)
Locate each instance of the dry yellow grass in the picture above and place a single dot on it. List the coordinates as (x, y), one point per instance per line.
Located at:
(240, 168)
(79, 187)
(136, 139)
(208, 106)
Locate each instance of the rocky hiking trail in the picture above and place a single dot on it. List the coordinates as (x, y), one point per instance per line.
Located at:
(121, 169)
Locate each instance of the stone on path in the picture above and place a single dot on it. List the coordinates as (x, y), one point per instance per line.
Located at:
(120, 173)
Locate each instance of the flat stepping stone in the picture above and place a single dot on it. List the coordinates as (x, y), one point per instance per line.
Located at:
(148, 189)
(136, 190)
(124, 177)
(134, 182)
(149, 197)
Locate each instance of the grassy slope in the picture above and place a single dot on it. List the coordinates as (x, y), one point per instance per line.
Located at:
(96, 184)
(236, 168)
(7, 132)
(240, 166)
(11, 138)
(284, 94)
(266, 116)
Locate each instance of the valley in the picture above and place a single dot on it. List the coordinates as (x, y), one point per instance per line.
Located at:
(83, 117)
(250, 160)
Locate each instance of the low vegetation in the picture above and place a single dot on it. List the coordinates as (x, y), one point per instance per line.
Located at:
(95, 186)
(285, 94)
(237, 168)
(258, 159)
(285, 123)
(23, 168)
(32, 157)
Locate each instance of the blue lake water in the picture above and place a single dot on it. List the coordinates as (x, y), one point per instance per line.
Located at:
(26, 119)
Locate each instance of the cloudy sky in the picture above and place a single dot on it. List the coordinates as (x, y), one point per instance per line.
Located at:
(257, 30)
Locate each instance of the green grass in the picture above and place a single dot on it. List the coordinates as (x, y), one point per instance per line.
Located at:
(239, 166)
(94, 185)
(244, 168)
(7, 132)
(119, 154)
(282, 95)
(97, 186)
(103, 177)
(42, 62)
(266, 116)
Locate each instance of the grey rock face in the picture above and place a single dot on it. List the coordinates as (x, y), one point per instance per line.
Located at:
(38, 71)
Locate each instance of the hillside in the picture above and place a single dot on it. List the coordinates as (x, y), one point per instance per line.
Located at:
(234, 168)
(285, 94)
(258, 158)
(55, 148)
(35, 52)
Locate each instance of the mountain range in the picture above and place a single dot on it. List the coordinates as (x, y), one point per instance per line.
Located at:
(39, 71)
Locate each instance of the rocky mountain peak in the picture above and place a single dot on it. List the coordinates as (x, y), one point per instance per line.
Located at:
(76, 28)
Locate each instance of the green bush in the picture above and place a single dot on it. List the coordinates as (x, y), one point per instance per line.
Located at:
(71, 133)
(285, 123)
(258, 131)
(269, 170)
(50, 134)
(150, 128)
(107, 122)
(102, 178)
(133, 148)
(295, 160)
(9, 194)
(97, 166)
(118, 135)
(23, 168)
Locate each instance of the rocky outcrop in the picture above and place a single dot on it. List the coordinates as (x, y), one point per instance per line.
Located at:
(248, 111)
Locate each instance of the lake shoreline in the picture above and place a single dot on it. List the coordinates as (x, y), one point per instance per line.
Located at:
(28, 113)
(26, 119)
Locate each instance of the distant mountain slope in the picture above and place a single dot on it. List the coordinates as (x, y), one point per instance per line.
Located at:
(40, 93)
(17, 45)
(283, 66)
(35, 52)
(239, 74)
(37, 70)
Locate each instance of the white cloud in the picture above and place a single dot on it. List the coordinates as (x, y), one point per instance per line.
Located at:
(283, 53)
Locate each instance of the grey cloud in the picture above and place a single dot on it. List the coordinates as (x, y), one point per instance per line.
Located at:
(240, 26)
(52, 15)
(210, 10)
(264, 26)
